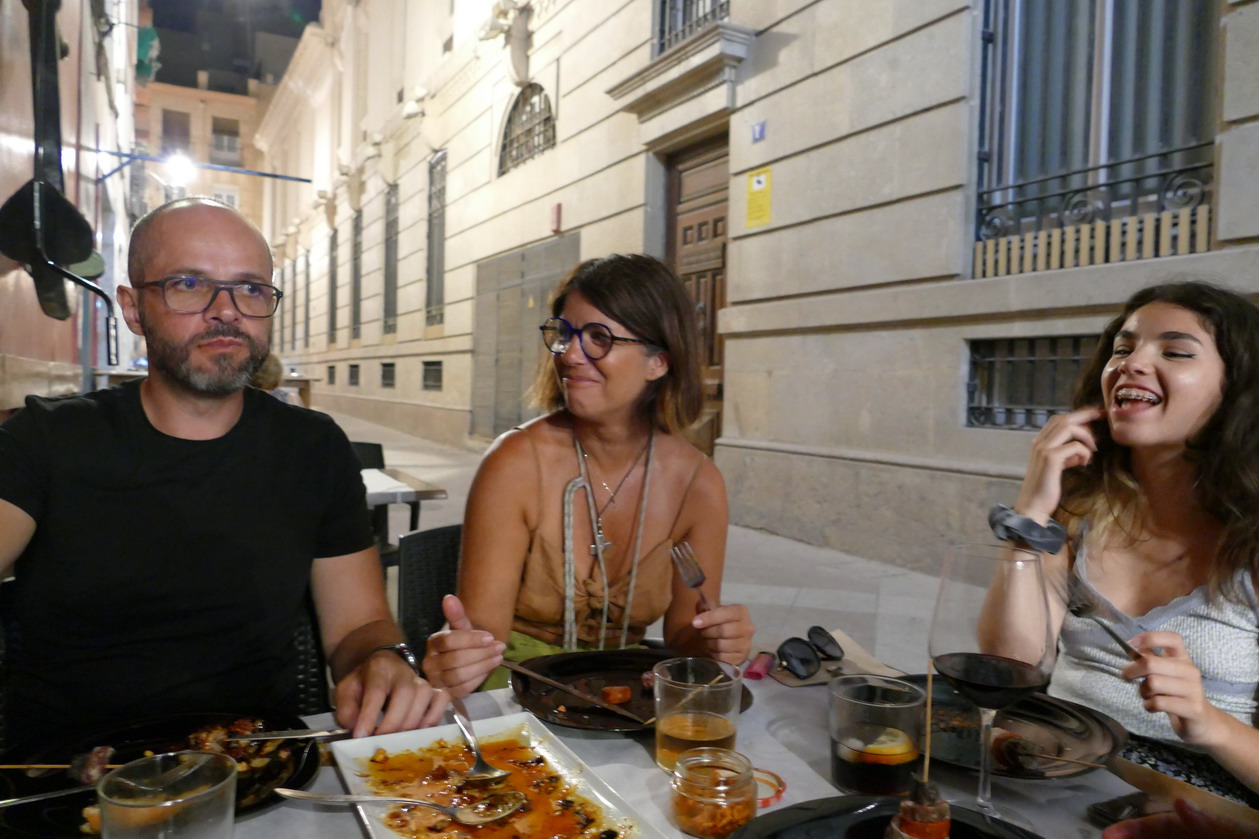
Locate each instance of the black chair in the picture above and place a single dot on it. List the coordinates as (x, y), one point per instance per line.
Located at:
(8, 643)
(370, 455)
(312, 667)
(428, 566)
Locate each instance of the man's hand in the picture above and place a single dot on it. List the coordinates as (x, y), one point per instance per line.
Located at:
(461, 657)
(385, 683)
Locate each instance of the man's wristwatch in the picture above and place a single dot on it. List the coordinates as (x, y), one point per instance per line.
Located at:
(404, 651)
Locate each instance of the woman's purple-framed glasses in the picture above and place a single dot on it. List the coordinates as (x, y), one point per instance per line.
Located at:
(595, 339)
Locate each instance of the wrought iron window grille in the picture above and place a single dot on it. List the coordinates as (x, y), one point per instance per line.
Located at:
(356, 276)
(390, 324)
(530, 128)
(435, 292)
(1019, 383)
(432, 376)
(1096, 134)
(679, 20)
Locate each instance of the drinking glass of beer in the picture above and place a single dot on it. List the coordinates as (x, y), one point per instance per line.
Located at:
(697, 704)
(876, 731)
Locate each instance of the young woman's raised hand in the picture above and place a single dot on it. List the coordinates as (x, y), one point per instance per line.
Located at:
(1066, 441)
(1171, 683)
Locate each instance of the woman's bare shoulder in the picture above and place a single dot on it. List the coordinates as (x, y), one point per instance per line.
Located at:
(530, 442)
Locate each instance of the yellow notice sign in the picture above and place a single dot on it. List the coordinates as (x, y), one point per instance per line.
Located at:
(758, 197)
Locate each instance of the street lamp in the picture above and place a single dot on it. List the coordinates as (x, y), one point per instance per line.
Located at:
(180, 171)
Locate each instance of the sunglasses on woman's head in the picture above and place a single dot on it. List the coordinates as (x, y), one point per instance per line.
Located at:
(803, 658)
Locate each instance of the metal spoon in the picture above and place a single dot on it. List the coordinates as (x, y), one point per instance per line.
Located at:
(481, 772)
(493, 807)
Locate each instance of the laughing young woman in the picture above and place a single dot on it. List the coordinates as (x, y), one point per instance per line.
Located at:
(571, 516)
(1155, 478)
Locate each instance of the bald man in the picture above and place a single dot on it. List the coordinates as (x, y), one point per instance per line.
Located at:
(165, 534)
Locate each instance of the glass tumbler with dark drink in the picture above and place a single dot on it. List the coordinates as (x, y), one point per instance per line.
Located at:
(876, 731)
(991, 637)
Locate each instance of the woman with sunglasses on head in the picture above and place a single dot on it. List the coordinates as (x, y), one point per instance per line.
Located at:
(571, 517)
(1147, 495)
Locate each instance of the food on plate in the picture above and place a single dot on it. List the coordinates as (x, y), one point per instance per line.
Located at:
(90, 767)
(250, 755)
(554, 807)
(616, 694)
(252, 758)
(1012, 751)
(923, 815)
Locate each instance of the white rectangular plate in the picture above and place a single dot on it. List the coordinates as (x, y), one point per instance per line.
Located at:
(616, 810)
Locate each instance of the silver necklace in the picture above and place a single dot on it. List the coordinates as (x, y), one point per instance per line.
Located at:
(600, 542)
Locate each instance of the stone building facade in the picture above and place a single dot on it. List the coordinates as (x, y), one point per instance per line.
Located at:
(902, 222)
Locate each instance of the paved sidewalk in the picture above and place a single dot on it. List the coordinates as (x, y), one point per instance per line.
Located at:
(787, 585)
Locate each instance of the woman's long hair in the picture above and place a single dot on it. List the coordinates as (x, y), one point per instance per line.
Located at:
(1224, 453)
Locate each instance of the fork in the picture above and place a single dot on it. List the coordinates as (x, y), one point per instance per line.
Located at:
(1082, 604)
(690, 572)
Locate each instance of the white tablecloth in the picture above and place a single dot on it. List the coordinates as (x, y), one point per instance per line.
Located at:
(784, 731)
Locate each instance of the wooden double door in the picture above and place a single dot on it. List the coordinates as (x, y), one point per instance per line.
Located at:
(699, 197)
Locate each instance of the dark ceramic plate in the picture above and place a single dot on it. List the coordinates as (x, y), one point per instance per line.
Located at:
(61, 817)
(1055, 726)
(590, 672)
(864, 817)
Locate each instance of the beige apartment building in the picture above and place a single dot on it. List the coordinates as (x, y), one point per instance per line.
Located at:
(903, 222)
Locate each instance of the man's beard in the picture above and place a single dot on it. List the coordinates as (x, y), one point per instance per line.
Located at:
(224, 379)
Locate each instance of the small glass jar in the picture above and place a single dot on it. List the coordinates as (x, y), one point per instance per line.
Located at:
(714, 792)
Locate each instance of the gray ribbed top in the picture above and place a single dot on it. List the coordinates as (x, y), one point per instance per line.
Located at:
(1221, 636)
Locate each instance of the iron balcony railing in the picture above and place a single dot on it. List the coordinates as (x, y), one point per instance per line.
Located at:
(680, 19)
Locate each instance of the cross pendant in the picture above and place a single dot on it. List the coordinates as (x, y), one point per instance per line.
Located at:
(600, 543)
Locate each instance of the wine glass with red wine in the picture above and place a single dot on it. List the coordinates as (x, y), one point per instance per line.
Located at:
(991, 638)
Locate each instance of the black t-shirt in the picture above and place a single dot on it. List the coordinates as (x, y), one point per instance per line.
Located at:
(167, 575)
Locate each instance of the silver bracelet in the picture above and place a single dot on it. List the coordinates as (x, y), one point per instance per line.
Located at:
(404, 651)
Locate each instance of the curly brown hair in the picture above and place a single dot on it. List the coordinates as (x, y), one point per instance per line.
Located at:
(1224, 453)
(643, 295)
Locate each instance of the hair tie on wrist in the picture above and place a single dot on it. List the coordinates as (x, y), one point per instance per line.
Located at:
(1009, 526)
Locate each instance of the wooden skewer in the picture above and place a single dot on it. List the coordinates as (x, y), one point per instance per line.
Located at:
(47, 765)
(1064, 759)
(689, 696)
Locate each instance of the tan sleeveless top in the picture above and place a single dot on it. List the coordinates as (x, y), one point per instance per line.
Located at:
(540, 601)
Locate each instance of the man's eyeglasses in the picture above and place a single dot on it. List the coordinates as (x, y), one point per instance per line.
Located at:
(596, 340)
(803, 658)
(193, 295)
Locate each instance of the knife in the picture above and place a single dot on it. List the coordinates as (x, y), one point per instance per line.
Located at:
(1166, 788)
(293, 734)
(9, 802)
(569, 689)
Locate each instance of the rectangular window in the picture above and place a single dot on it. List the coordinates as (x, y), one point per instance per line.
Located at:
(387, 374)
(332, 374)
(435, 296)
(356, 276)
(353, 375)
(332, 287)
(391, 260)
(1019, 383)
(229, 195)
(432, 375)
(279, 326)
(306, 304)
(291, 305)
(680, 19)
(225, 141)
(1093, 110)
(176, 132)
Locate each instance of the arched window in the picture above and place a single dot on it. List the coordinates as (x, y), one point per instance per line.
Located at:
(530, 129)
